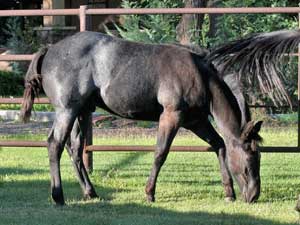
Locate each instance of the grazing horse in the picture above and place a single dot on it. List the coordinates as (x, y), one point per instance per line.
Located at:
(163, 83)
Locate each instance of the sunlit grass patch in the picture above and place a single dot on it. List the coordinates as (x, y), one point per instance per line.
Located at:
(189, 189)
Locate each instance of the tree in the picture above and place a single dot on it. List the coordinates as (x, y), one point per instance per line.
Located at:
(190, 25)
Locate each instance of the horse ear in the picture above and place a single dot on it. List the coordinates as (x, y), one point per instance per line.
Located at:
(257, 126)
(251, 130)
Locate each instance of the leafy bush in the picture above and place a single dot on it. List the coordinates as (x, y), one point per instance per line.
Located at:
(11, 84)
(150, 28)
(232, 26)
(22, 39)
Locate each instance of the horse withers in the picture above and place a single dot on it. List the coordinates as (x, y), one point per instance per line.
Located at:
(163, 83)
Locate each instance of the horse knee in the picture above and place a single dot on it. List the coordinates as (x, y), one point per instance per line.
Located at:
(54, 149)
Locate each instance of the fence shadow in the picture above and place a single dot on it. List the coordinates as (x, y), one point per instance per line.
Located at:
(144, 214)
(33, 195)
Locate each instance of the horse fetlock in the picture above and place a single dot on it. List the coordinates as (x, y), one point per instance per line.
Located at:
(229, 199)
(90, 194)
(229, 192)
(150, 198)
(150, 192)
(297, 208)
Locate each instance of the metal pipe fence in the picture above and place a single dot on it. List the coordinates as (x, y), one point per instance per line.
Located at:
(82, 13)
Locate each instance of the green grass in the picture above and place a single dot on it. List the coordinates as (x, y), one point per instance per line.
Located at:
(36, 107)
(189, 189)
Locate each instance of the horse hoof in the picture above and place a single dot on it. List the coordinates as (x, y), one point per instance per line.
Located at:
(150, 198)
(90, 195)
(58, 197)
(60, 203)
(229, 199)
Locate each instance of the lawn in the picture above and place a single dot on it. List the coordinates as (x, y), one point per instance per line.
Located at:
(189, 189)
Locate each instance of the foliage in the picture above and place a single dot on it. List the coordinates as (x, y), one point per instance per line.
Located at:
(11, 84)
(150, 28)
(3, 35)
(232, 26)
(22, 39)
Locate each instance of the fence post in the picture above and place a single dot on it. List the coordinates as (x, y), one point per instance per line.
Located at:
(82, 17)
(298, 144)
(87, 155)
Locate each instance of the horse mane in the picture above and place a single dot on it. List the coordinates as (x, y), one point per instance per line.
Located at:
(258, 56)
(232, 82)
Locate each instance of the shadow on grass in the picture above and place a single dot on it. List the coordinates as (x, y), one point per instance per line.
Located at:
(20, 171)
(144, 214)
(33, 198)
(37, 192)
(122, 163)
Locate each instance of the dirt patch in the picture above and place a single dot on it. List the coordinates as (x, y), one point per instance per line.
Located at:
(120, 127)
(11, 128)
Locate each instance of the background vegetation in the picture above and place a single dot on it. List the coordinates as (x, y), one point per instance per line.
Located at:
(19, 37)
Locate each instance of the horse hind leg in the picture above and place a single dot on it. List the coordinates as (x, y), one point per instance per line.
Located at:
(74, 147)
(56, 140)
(206, 132)
(168, 126)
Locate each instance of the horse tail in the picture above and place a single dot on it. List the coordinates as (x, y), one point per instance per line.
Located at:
(259, 57)
(33, 84)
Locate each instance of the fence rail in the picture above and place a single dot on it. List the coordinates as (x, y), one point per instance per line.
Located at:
(136, 11)
(20, 100)
(82, 13)
(143, 148)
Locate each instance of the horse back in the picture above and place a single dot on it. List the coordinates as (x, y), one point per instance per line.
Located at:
(131, 79)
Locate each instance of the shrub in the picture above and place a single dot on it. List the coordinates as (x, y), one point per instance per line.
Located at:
(149, 28)
(11, 84)
(22, 39)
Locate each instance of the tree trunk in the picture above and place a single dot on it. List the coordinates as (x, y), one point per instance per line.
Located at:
(213, 19)
(191, 24)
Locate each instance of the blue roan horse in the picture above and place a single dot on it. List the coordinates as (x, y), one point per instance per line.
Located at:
(165, 83)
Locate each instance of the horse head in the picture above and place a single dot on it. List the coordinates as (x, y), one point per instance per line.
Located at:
(244, 160)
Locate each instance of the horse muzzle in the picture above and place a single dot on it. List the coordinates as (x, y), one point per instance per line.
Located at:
(251, 191)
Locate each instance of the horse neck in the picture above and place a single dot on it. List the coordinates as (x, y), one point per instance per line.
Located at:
(226, 110)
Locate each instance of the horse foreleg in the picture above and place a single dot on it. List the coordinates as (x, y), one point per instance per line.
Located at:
(167, 129)
(206, 132)
(75, 149)
(56, 141)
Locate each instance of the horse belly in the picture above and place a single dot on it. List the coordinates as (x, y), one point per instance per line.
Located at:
(131, 104)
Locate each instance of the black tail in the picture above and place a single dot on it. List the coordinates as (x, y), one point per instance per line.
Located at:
(33, 84)
(259, 57)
